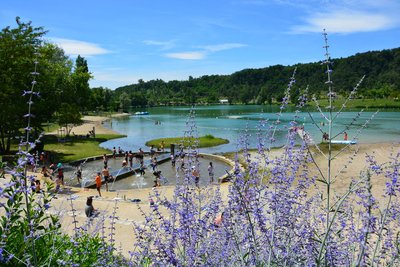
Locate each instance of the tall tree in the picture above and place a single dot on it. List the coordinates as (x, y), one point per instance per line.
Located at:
(17, 54)
(54, 83)
(81, 77)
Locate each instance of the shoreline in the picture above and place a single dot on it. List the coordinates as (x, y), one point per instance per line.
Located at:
(94, 122)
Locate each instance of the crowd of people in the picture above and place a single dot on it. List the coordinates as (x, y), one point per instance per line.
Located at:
(55, 171)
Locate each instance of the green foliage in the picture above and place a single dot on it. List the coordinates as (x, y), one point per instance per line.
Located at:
(64, 90)
(69, 115)
(78, 148)
(81, 90)
(101, 100)
(17, 49)
(363, 103)
(204, 141)
(82, 250)
(15, 228)
(264, 86)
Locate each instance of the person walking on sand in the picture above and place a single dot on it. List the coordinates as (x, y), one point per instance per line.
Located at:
(106, 176)
(98, 183)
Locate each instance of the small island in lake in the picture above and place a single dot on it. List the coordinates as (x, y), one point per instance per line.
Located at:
(204, 141)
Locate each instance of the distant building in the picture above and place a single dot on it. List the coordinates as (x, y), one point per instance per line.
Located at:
(223, 101)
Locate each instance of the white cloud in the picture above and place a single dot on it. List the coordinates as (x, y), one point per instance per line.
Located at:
(345, 16)
(206, 50)
(221, 47)
(194, 55)
(165, 45)
(75, 47)
(346, 22)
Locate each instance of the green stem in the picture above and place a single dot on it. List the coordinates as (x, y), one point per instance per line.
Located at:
(383, 219)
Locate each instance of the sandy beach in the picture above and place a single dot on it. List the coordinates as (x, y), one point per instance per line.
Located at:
(349, 164)
(96, 122)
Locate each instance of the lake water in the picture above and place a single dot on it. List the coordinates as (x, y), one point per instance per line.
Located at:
(232, 121)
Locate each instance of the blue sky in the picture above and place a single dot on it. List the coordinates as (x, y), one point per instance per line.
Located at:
(124, 41)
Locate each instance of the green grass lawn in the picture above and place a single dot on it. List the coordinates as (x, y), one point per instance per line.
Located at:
(362, 103)
(75, 148)
(204, 141)
(50, 127)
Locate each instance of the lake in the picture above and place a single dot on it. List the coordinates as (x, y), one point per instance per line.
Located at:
(232, 121)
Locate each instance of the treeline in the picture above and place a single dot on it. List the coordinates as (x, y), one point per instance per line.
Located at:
(267, 85)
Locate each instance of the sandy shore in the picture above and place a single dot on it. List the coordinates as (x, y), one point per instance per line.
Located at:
(96, 122)
(128, 212)
(347, 165)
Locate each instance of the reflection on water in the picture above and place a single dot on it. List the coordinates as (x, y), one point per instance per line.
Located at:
(168, 173)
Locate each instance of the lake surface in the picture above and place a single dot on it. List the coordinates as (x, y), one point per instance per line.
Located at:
(232, 121)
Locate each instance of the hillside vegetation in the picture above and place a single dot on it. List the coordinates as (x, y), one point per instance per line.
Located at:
(266, 85)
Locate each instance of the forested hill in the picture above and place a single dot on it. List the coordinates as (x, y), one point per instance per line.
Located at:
(382, 70)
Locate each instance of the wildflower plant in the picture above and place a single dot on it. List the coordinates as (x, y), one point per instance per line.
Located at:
(29, 234)
(276, 213)
(26, 228)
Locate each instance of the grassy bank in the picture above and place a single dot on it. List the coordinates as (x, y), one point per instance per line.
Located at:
(363, 103)
(77, 148)
(204, 141)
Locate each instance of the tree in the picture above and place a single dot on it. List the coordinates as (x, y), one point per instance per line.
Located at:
(54, 83)
(17, 54)
(81, 89)
(69, 116)
(124, 102)
(58, 82)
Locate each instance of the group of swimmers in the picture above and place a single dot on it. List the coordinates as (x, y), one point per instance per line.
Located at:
(178, 162)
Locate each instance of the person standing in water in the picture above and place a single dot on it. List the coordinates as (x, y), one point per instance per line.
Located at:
(105, 160)
(162, 146)
(79, 174)
(211, 172)
(106, 176)
(114, 152)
